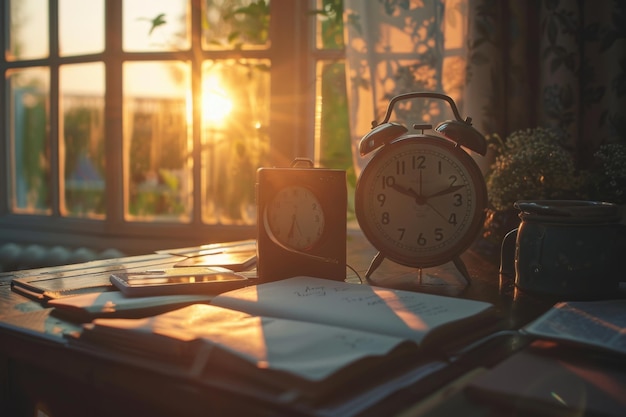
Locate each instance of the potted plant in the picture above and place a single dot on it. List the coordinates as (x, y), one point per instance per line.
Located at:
(535, 164)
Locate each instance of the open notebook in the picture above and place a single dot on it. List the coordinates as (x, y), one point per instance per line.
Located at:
(309, 333)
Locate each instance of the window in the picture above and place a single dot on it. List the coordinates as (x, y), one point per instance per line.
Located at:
(140, 125)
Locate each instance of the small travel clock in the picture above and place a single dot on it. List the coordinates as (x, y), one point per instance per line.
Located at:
(295, 217)
(301, 222)
(421, 199)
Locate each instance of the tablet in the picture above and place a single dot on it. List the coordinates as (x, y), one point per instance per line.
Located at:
(210, 281)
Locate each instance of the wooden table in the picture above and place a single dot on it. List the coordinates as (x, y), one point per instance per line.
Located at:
(41, 372)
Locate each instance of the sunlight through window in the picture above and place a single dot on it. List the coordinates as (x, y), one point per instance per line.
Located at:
(216, 104)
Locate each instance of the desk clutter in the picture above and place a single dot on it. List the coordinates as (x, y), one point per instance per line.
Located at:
(58, 282)
(323, 347)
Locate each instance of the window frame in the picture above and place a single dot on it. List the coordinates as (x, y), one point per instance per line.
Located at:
(293, 60)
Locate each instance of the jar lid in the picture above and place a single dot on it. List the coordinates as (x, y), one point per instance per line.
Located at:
(569, 211)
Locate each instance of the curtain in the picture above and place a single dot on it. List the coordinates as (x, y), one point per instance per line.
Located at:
(559, 64)
(508, 64)
(402, 46)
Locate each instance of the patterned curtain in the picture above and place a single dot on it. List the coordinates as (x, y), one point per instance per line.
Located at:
(559, 64)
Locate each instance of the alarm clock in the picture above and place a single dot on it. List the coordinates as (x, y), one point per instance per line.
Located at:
(301, 222)
(421, 199)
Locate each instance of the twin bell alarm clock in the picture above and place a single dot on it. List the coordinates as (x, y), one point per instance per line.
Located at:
(421, 199)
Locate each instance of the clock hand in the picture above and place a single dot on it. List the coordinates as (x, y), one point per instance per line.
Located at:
(420, 181)
(436, 211)
(448, 190)
(419, 199)
(293, 226)
(406, 191)
(295, 220)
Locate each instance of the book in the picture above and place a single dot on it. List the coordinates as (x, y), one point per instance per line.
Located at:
(575, 364)
(547, 380)
(592, 324)
(304, 333)
(419, 317)
(86, 307)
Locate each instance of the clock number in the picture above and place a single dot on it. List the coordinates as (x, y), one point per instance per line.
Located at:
(401, 230)
(400, 167)
(458, 200)
(381, 199)
(438, 234)
(452, 179)
(385, 218)
(388, 181)
(419, 162)
(421, 240)
(452, 219)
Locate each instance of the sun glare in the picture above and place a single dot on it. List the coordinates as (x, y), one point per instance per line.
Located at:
(216, 105)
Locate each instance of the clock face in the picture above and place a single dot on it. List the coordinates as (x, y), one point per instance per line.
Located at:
(420, 201)
(301, 223)
(296, 218)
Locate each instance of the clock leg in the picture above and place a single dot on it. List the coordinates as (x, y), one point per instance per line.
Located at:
(378, 259)
(460, 265)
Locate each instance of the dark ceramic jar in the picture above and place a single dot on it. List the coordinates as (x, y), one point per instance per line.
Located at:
(570, 249)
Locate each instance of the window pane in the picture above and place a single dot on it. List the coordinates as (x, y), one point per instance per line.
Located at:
(82, 139)
(28, 37)
(157, 141)
(234, 137)
(235, 24)
(28, 121)
(81, 26)
(329, 24)
(156, 25)
(333, 132)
